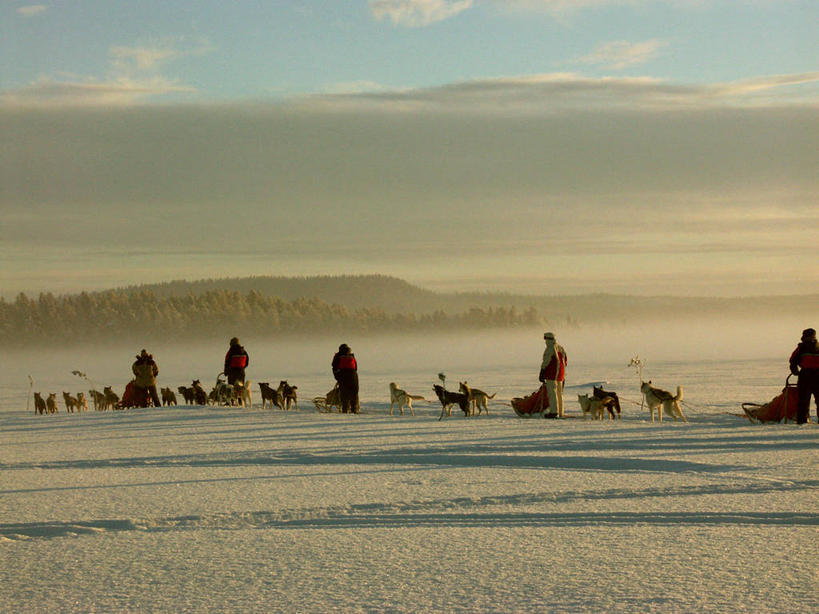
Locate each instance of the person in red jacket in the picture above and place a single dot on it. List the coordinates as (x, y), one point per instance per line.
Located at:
(345, 370)
(553, 374)
(236, 361)
(804, 362)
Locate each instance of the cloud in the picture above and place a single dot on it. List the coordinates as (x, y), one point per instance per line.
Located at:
(618, 55)
(32, 10)
(134, 77)
(152, 57)
(557, 92)
(47, 92)
(417, 13)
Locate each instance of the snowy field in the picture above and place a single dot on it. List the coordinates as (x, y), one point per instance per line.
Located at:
(195, 509)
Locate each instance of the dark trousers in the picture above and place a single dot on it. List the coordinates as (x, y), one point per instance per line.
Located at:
(348, 391)
(145, 392)
(806, 386)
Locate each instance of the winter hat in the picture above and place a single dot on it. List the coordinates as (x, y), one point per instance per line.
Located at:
(344, 348)
(549, 336)
(234, 341)
(808, 334)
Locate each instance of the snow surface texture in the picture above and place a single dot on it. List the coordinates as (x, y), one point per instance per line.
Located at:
(196, 509)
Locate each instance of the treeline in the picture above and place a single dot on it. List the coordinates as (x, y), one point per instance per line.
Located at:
(143, 316)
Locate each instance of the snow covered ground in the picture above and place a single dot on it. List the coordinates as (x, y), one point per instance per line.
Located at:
(196, 509)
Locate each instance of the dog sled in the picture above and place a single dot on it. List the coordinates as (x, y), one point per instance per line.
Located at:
(781, 407)
(134, 396)
(330, 400)
(532, 406)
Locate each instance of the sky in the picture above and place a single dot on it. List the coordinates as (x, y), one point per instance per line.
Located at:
(537, 146)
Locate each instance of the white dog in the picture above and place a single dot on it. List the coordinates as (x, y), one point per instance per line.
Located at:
(243, 393)
(402, 398)
(663, 401)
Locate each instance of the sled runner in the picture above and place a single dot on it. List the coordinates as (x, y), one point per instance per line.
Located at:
(534, 405)
(781, 407)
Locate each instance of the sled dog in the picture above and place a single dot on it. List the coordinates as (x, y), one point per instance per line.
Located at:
(402, 398)
(288, 394)
(39, 404)
(270, 395)
(663, 401)
(476, 397)
(200, 397)
(594, 407)
(614, 405)
(448, 399)
(168, 397)
(187, 394)
(70, 402)
(82, 403)
(111, 398)
(51, 403)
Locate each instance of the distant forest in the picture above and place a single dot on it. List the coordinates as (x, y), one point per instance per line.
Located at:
(268, 306)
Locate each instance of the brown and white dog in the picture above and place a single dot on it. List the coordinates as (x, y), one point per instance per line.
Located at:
(402, 398)
(51, 403)
(594, 407)
(82, 403)
(476, 397)
(663, 401)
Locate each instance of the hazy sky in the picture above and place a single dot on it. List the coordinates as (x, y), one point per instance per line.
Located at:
(546, 146)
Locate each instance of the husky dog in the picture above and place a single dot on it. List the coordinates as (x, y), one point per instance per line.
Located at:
(168, 397)
(111, 398)
(402, 398)
(70, 402)
(39, 404)
(614, 405)
(288, 394)
(663, 401)
(241, 390)
(187, 394)
(51, 403)
(200, 397)
(82, 403)
(476, 397)
(270, 395)
(99, 400)
(448, 399)
(595, 407)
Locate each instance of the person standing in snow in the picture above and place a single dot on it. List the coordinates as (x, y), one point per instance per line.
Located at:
(145, 371)
(345, 371)
(804, 363)
(553, 374)
(236, 361)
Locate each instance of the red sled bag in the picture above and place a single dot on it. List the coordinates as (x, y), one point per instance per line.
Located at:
(779, 408)
(134, 396)
(534, 405)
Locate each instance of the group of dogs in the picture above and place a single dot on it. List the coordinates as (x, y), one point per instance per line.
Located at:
(471, 401)
(102, 401)
(659, 401)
